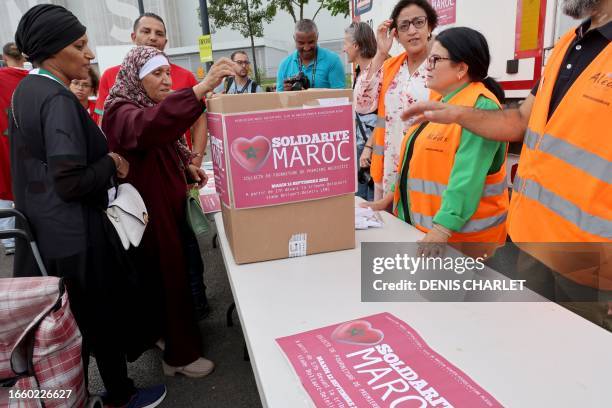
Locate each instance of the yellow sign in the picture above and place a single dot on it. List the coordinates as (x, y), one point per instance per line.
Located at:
(530, 25)
(205, 45)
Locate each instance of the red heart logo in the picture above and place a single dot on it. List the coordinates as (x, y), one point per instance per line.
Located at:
(251, 154)
(357, 332)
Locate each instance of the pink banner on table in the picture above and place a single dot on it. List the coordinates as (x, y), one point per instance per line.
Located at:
(209, 198)
(447, 11)
(290, 155)
(215, 130)
(210, 203)
(378, 361)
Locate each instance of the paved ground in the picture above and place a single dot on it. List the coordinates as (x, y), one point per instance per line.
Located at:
(232, 385)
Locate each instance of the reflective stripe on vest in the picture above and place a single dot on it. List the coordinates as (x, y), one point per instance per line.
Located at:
(429, 175)
(565, 167)
(565, 209)
(381, 123)
(378, 149)
(586, 161)
(473, 225)
(531, 139)
(437, 189)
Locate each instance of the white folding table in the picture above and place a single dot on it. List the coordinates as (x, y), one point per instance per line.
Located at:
(525, 354)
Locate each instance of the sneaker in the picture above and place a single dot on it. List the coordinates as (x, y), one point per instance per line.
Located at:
(9, 251)
(199, 368)
(148, 397)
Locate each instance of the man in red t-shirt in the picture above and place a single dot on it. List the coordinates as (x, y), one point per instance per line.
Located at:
(9, 79)
(149, 29)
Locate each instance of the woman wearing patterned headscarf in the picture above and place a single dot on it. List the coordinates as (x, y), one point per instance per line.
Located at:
(61, 170)
(145, 121)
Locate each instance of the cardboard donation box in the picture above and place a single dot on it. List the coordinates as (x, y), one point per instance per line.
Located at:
(285, 171)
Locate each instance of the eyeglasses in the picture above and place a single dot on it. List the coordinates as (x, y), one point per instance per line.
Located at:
(78, 84)
(417, 22)
(433, 60)
(243, 63)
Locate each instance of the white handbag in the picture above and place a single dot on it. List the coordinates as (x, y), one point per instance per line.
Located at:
(128, 214)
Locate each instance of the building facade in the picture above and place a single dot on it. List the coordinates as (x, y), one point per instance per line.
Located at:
(109, 23)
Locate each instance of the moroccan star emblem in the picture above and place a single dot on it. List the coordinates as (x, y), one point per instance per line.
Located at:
(251, 153)
(356, 332)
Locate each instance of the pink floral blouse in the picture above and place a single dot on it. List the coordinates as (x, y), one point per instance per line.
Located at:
(405, 89)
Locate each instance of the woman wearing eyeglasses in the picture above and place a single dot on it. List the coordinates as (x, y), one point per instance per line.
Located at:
(84, 88)
(452, 182)
(388, 84)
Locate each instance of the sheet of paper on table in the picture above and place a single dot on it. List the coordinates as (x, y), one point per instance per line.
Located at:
(367, 218)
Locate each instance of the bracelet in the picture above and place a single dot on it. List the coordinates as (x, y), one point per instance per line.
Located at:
(116, 156)
(443, 230)
(368, 147)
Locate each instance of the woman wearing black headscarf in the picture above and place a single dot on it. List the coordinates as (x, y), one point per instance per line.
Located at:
(61, 171)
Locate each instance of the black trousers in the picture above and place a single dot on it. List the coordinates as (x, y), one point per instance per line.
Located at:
(193, 257)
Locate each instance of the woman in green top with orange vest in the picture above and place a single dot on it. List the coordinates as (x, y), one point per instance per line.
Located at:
(451, 182)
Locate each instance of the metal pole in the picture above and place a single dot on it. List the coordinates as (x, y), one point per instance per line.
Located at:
(248, 13)
(141, 7)
(205, 25)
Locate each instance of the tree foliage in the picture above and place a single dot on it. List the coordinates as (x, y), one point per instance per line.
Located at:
(295, 8)
(233, 14)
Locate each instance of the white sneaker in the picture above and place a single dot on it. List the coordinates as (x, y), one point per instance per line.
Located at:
(199, 368)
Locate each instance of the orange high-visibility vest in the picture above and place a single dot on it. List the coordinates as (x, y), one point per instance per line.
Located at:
(430, 170)
(390, 69)
(562, 191)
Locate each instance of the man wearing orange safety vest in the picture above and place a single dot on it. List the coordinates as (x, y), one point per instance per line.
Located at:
(561, 206)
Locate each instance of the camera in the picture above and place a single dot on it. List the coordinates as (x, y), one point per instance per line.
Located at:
(363, 176)
(299, 82)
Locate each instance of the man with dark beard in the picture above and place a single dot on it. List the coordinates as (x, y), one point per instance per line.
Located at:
(562, 191)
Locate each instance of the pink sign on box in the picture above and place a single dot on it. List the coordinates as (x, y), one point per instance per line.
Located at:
(378, 361)
(217, 147)
(284, 156)
(446, 10)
